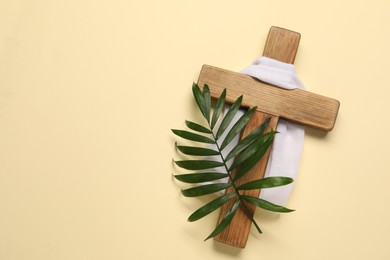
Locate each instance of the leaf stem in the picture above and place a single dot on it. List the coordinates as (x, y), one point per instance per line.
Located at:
(242, 202)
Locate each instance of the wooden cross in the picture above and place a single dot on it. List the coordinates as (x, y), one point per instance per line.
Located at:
(296, 105)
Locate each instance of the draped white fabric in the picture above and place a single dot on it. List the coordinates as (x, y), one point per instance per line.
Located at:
(288, 144)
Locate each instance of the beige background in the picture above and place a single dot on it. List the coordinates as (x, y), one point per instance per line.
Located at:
(90, 89)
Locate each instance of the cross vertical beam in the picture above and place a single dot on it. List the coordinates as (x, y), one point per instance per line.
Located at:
(296, 105)
(281, 45)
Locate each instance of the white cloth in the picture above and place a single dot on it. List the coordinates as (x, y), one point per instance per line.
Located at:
(288, 144)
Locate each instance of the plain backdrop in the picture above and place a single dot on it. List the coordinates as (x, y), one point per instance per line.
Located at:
(89, 91)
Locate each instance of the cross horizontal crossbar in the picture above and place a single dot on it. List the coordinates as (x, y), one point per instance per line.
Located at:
(296, 105)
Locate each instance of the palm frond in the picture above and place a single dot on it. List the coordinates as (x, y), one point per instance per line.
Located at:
(197, 127)
(207, 172)
(229, 117)
(198, 164)
(266, 204)
(210, 207)
(205, 189)
(200, 177)
(269, 182)
(197, 151)
(218, 109)
(244, 143)
(193, 137)
(226, 220)
(207, 102)
(238, 126)
(254, 158)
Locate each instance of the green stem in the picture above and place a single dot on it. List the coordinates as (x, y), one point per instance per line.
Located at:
(242, 202)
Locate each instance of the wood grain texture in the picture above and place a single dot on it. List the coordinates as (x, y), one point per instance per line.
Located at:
(296, 105)
(237, 233)
(282, 44)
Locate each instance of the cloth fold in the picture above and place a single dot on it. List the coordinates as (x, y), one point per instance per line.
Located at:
(288, 143)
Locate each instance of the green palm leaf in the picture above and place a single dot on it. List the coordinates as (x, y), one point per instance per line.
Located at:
(199, 99)
(207, 101)
(253, 159)
(193, 137)
(226, 220)
(198, 164)
(205, 189)
(238, 126)
(251, 149)
(200, 177)
(244, 143)
(218, 108)
(210, 207)
(246, 153)
(197, 151)
(266, 204)
(197, 127)
(269, 182)
(229, 117)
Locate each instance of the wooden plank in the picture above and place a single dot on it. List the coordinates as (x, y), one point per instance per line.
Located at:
(282, 44)
(237, 233)
(279, 46)
(296, 105)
